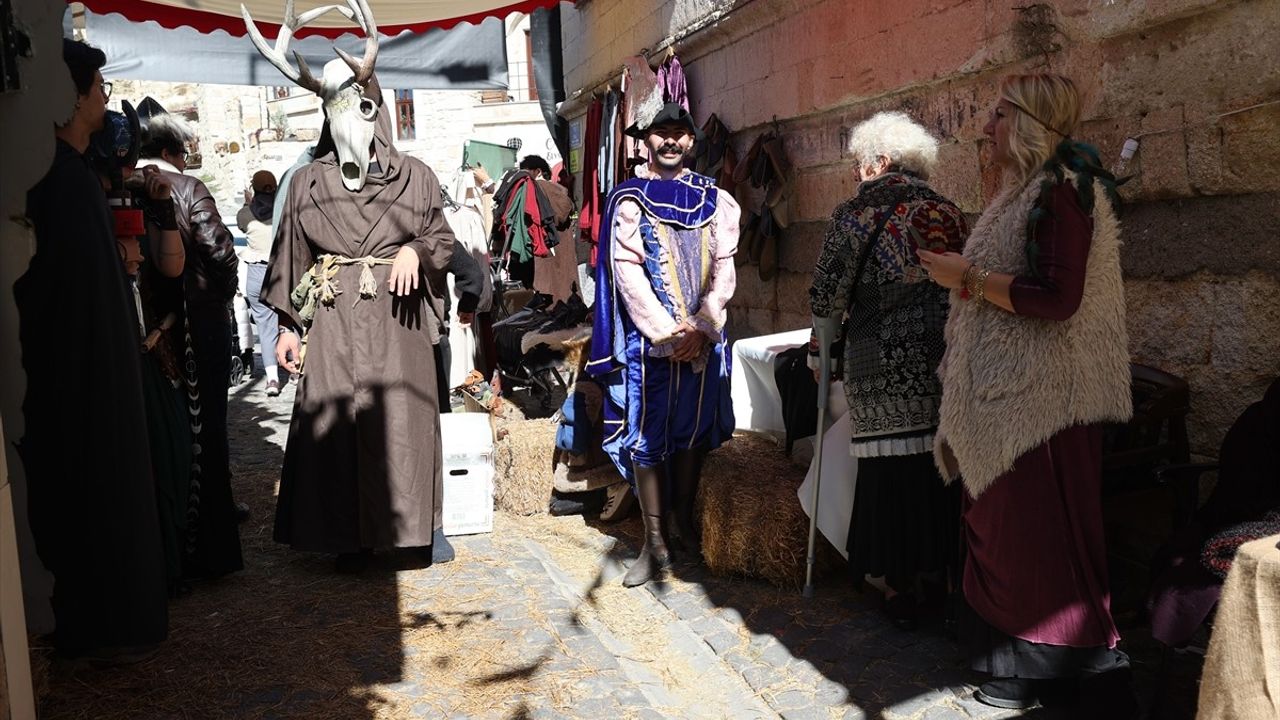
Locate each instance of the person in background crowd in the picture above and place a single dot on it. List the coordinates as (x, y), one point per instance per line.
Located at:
(256, 222)
(1037, 360)
(209, 283)
(557, 274)
(904, 518)
(664, 277)
(91, 497)
(153, 255)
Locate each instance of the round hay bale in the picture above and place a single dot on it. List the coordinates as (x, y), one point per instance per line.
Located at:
(752, 523)
(523, 467)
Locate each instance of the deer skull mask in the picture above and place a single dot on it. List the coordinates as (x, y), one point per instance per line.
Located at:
(352, 116)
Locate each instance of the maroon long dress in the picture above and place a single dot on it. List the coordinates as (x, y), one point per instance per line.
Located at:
(1035, 570)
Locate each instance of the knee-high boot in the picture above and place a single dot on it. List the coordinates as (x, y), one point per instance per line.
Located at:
(654, 556)
(686, 466)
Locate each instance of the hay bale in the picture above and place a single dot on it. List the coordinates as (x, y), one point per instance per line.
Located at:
(752, 523)
(522, 458)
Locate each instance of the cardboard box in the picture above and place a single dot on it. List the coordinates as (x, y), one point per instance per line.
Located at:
(468, 473)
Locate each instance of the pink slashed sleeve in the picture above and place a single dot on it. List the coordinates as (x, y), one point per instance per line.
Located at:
(724, 278)
(643, 306)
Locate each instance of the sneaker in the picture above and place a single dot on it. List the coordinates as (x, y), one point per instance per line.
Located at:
(618, 502)
(273, 388)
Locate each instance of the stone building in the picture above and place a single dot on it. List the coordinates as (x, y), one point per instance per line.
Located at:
(1196, 81)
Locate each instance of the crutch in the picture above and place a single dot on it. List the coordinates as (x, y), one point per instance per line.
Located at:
(826, 330)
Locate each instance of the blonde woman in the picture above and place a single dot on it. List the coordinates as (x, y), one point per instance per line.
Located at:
(1037, 359)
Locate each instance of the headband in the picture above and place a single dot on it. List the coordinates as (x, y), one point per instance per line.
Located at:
(1043, 124)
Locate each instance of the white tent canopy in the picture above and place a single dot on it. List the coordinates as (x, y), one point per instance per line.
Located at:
(392, 16)
(465, 57)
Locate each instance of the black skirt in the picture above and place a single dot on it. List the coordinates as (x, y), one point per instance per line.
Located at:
(905, 520)
(1004, 656)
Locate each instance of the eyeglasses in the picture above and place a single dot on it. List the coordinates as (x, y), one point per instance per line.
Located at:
(106, 89)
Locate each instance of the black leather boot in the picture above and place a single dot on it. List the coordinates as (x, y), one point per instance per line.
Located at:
(686, 466)
(654, 556)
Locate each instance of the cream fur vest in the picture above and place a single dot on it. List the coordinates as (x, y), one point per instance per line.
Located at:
(1010, 382)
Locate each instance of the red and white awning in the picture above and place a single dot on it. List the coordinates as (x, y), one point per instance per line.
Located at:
(393, 16)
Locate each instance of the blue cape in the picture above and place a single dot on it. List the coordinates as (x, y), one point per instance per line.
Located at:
(689, 202)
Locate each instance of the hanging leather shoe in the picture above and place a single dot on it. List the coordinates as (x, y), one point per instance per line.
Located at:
(773, 149)
(746, 238)
(767, 241)
(654, 556)
(729, 167)
(744, 169)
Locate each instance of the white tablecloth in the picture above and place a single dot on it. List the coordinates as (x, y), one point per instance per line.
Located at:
(839, 477)
(757, 406)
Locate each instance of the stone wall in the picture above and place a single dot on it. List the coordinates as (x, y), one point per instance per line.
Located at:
(1201, 260)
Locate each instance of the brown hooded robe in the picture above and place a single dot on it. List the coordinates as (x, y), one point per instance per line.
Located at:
(362, 467)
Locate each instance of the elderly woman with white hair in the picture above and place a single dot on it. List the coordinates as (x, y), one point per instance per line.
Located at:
(869, 275)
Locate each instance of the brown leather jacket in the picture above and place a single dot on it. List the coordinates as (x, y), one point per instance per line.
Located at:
(210, 276)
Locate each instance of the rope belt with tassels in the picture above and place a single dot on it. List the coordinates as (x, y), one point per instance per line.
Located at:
(319, 286)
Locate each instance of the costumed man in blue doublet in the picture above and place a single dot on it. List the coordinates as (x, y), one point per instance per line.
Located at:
(664, 275)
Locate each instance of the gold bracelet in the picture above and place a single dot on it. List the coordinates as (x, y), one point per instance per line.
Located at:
(980, 285)
(965, 293)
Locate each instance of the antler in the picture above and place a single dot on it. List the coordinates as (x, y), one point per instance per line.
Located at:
(364, 68)
(292, 23)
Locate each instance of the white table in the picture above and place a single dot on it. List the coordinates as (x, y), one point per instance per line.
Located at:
(757, 405)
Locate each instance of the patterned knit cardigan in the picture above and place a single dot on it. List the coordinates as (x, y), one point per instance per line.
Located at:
(1010, 382)
(894, 329)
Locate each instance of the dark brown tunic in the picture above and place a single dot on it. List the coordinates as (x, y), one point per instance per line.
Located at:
(362, 466)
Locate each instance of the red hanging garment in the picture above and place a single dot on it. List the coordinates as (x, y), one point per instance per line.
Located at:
(589, 217)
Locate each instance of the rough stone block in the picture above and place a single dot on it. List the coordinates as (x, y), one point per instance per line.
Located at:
(752, 292)
(793, 292)
(1166, 321)
(817, 191)
(1223, 235)
(958, 175)
(1251, 149)
(801, 246)
(1246, 336)
(1161, 162)
(1198, 59)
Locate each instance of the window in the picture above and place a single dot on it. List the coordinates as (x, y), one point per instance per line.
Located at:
(520, 74)
(528, 56)
(406, 128)
(279, 92)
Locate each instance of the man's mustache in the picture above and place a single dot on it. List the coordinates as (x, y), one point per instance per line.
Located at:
(670, 147)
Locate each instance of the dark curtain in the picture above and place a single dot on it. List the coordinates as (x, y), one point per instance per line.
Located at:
(548, 72)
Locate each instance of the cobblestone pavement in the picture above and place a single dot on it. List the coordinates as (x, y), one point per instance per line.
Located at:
(530, 621)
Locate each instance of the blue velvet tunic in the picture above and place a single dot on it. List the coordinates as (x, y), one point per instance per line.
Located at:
(656, 406)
